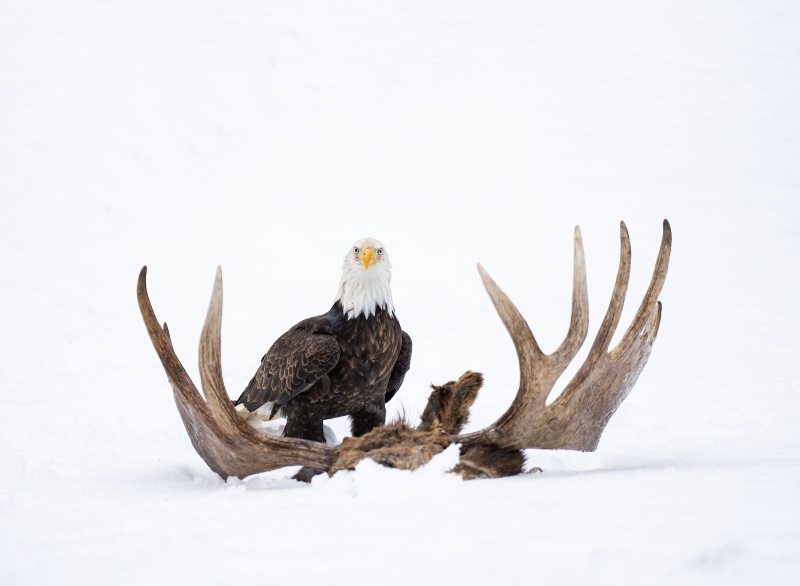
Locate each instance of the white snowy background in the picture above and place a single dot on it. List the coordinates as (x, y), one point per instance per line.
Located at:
(266, 137)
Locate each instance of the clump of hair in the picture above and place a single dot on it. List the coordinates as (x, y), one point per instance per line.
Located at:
(396, 445)
(449, 404)
(487, 461)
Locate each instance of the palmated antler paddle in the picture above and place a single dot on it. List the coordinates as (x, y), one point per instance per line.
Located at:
(575, 420)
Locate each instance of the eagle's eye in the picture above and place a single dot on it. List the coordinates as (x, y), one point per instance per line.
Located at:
(380, 251)
(355, 250)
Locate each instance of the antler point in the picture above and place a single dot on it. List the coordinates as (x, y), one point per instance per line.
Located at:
(667, 230)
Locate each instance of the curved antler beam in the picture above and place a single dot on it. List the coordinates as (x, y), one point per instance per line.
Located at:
(227, 444)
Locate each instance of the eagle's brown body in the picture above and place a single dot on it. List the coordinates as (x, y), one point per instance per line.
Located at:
(330, 366)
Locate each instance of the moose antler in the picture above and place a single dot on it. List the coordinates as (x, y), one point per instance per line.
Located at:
(575, 420)
(228, 444)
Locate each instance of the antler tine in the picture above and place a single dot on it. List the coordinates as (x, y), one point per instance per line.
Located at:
(614, 311)
(159, 336)
(528, 349)
(651, 296)
(579, 320)
(210, 362)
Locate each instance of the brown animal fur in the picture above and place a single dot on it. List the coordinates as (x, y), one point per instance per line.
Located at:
(395, 445)
(479, 461)
(449, 404)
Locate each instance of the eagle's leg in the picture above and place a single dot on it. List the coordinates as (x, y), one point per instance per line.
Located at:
(303, 422)
(368, 418)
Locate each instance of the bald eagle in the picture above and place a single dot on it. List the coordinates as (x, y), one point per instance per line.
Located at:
(349, 361)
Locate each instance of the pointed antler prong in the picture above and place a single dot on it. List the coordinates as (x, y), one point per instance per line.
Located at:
(653, 291)
(579, 320)
(511, 317)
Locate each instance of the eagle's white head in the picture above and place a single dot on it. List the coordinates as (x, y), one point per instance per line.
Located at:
(366, 279)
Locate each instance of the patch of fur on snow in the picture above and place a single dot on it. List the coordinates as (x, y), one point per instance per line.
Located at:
(478, 461)
(396, 445)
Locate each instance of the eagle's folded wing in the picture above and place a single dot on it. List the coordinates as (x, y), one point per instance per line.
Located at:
(296, 361)
(400, 369)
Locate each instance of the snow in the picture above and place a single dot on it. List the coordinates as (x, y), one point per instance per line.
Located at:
(266, 137)
(261, 420)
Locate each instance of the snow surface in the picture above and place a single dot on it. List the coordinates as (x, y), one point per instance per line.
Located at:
(266, 137)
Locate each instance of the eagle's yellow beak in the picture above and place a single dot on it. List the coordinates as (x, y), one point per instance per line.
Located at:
(366, 257)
